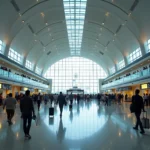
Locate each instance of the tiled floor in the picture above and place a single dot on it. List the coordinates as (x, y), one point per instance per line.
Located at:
(87, 127)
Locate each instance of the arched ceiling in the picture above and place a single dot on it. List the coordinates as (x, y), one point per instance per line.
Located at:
(37, 30)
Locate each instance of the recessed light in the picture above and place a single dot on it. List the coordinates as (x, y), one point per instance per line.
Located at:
(129, 14)
(20, 14)
(46, 23)
(22, 21)
(103, 23)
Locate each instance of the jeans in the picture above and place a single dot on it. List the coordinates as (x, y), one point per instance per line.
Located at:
(27, 118)
(10, 114)
(138, 121)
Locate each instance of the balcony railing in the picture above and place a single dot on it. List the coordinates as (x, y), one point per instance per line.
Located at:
(11, 76)
(136, 76)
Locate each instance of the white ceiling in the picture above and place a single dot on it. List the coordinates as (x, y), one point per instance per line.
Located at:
(54, 37)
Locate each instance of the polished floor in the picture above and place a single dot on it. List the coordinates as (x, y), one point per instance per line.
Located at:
(86, 127)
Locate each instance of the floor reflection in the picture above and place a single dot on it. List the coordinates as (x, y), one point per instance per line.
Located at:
(61, 131)
(80, 126)
(87, 127)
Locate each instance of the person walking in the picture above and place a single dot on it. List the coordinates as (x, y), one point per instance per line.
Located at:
(27, 110)
(78, 98)
(71, 98)
(138, 104)
(39, 101)
(61, 101)
(10, 104)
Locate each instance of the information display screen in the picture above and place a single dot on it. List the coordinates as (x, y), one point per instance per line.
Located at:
(144, 86)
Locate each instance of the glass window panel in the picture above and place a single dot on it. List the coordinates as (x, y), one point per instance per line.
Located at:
(82, 75)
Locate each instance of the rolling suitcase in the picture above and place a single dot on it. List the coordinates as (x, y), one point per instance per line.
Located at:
(51, 112)
(145, 122)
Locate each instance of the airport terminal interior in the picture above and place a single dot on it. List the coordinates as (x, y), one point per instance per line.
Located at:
(96, 52)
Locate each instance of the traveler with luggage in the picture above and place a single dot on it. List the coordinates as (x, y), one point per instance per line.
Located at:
(10, 104)
(27, 110)
(61, 101)
(138, 106)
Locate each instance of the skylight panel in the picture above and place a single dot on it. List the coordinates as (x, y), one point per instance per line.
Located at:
(75, 15)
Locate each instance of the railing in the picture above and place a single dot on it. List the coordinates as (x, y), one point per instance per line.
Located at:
(18, 78)
(136, 76)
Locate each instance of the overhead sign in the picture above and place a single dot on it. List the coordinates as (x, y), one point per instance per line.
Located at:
(6, 86)
(124, 88)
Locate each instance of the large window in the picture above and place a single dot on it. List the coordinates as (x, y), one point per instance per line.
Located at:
(148, 45)
(29, 65)
(75, 72)
(15, 56)
(121, 64)
(1, 47)
(135, 55)
(112, 70)
(38, 70)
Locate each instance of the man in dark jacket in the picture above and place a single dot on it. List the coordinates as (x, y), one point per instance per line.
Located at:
(61, 100)
(137, 101)
(27, 110)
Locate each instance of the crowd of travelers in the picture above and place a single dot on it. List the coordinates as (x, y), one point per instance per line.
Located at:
(27, 102)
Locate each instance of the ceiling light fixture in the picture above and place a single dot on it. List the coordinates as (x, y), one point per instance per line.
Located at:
(22, 21)
(46, 23)
(103, 23)
(20, 14)
(129, 14)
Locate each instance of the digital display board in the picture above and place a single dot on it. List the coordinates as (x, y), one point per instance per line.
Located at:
(144, 86)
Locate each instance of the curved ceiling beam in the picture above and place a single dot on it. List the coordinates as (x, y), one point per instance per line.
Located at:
(116, 6)
(33, 6)
(127, 14)
(56, 40)
(50, 25)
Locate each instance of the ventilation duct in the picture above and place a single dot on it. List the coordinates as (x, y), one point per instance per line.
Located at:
(118, 28)
(107, 43)
(48, 52)
(101, 53)
(42, 43)
(15, 5)
(31, 29)
(134, 5)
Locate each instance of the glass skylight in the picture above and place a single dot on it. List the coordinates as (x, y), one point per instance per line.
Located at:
(75, 15)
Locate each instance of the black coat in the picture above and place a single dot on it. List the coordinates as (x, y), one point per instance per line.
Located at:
(137, 101)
